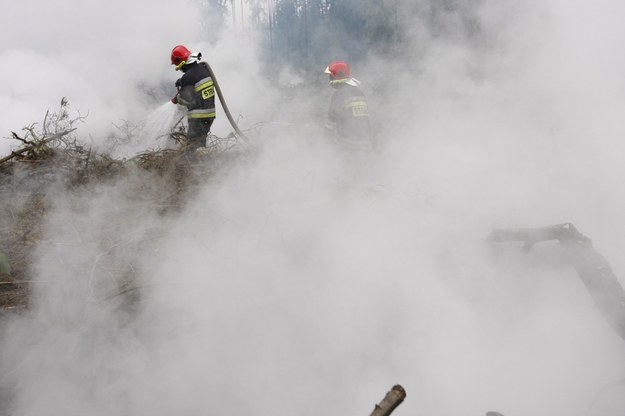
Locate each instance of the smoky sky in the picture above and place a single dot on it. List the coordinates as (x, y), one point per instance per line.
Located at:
(284, 286)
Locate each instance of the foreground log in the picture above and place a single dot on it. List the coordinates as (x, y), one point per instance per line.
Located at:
(390, 402)
(593, 269)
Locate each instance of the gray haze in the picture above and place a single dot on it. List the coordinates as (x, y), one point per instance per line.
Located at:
(285, 287)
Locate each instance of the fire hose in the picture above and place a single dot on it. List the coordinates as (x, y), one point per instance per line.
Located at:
(222, 100)
(223, 103)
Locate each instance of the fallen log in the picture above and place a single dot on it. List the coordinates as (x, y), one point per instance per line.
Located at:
(593, 269)
(390, 402)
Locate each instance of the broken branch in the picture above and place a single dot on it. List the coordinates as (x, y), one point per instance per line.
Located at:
(25, 149)
(390, 402)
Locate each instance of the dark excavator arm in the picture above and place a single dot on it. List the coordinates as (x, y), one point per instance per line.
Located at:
(592, 267)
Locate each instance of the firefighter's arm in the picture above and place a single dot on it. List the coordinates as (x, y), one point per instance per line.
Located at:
(186, 96)
(329, 130)
(175, 99)
(330, 126)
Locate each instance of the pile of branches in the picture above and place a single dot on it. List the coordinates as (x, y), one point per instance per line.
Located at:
(50, 156)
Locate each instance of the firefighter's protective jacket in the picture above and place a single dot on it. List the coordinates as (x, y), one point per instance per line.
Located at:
(197, 91)
(348, 114)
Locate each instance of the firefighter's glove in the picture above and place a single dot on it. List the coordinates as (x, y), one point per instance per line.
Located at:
(178, 83)
(175, 99)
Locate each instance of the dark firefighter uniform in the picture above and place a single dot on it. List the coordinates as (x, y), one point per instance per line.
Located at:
(197, 93)
(348, 114)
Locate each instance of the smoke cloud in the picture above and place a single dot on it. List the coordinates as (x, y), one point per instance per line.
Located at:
(287, 286)
(105, 58)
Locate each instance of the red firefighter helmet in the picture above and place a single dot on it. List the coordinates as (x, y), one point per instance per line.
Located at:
(179, 56)
(338, 70)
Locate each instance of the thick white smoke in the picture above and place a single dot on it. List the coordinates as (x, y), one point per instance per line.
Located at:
(285, 287)
(101, 56)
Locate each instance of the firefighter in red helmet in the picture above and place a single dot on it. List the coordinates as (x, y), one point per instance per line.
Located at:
(195, 91)
(348, 115)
